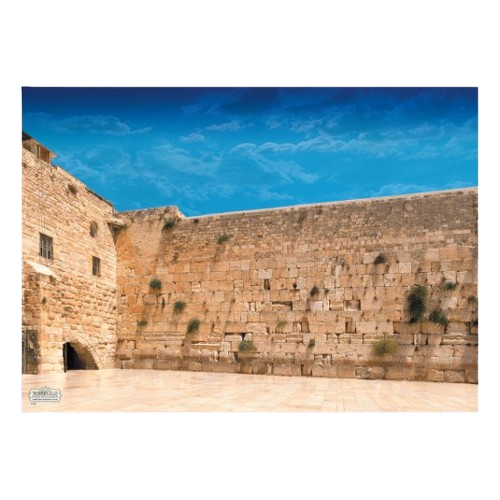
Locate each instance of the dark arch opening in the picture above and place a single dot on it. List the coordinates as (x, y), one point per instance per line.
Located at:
(77, 357)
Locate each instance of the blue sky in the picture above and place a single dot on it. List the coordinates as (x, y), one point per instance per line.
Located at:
(212, 150)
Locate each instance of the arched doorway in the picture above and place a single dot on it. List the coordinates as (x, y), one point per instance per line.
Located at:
(77, 357)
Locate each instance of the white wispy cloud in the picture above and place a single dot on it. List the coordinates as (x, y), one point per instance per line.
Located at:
(193, 137)
(274, 122)
(230, 126)
(95, 124)
(396, 189)
(266, 193)
(425, 141)
(321, 143)
(204, 163)
(101, 165)
(306, 126)
(286, 170)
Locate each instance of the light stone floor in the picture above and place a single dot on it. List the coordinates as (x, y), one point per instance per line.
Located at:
(176, 391)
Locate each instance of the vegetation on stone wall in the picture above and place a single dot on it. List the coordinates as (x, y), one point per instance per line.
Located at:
(472, 299)
(314, 291)
(142, 323)
(193, 325)
(437, 316)
(385, 346)
(246, 345)
(169, 224)
(311, 344)
(417, 303)
(155, 284)
(449, 285)
(223, 238)
(179, 306)
(380, 259)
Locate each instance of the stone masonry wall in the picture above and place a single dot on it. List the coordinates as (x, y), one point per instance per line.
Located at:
(62, 300)
(313, 287)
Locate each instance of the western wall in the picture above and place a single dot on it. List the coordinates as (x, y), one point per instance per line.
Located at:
(306, 290)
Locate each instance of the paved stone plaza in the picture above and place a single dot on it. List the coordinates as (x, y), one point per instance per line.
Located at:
(177, 391)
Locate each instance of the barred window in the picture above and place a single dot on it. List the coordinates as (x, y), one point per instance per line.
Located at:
(46, 249)
(96, 266)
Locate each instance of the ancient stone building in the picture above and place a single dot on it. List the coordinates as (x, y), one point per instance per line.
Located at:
(315, 290)
(69, 269)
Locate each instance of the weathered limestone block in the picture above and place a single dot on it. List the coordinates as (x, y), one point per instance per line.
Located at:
(457, 376)
(434, 339)
(465, 278)
(320, 371)
(449, 253)
(428, 327)
(194, 366)
(265, 273)
(432, 254)
(227, 357)
(408, 328)
(394, 373)
(315, 305)
(471, 376)
(145, 352)
(282, 369)
(369, 372)
(207, 355)
(465, 352)
(232, 338)
(434, 375)
(279, 358)
(455, 328)
(368, 258)
(366, 327)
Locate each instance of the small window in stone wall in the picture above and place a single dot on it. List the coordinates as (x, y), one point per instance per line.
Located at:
(96, 266)
(46, 249)
(93, 229)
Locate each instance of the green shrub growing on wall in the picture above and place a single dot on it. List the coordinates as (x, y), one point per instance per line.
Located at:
(142, 322)
(155, 284)
(383, 347)
(416, 303)
(449, 285)
(311, 344)
(472, 299)
(246, 345)
(193, 325)
(314, 291)
(380, 259)
(437, 316)
(222, 239)
(179, 306)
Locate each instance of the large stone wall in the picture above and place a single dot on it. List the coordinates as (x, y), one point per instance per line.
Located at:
(314, 288)
(306, 286)
(62, 300)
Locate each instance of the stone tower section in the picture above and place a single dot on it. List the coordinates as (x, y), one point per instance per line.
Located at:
(69, 269)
